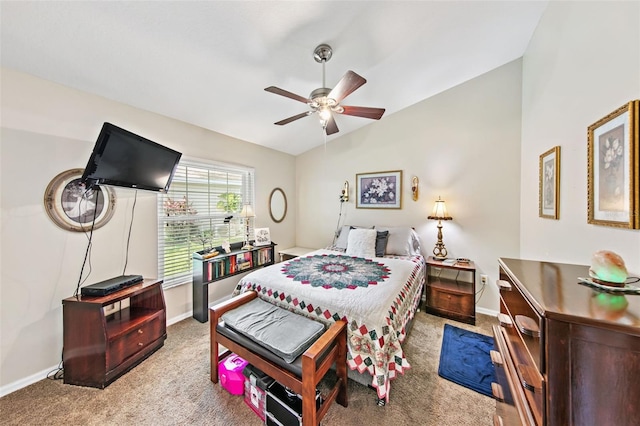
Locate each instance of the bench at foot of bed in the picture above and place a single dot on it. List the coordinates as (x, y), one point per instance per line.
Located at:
(268, 348)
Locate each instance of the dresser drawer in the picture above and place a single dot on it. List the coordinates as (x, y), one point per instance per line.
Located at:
(513, 407)
(528, 325)
(522, 333)
(450, 301)
(132, 342)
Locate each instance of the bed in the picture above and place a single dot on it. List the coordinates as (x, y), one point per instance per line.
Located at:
(377, 295)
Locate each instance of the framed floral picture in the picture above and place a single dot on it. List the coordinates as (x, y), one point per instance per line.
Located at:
(549, 184)
(613, 169)
(380, 190)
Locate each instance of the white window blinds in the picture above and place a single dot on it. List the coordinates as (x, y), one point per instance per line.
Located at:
(200, 210)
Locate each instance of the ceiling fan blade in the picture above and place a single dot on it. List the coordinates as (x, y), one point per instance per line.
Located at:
(347, 84)
(372, 113)
(293, 118)
(287, 94)
(331, 127)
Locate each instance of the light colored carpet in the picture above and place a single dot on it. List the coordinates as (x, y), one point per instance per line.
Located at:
(172, 387)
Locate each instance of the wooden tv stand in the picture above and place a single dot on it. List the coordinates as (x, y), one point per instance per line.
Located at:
(100, 347)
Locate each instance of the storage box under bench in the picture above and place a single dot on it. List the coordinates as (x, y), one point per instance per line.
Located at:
(284, 408)
(255, 389)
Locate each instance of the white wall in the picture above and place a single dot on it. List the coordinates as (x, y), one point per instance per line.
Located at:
(582, 63)
(47, 129)
(463, 145)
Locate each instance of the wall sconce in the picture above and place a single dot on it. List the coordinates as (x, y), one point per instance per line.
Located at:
(247, 213)
(440, 213)
(414, 188)
(344, 196)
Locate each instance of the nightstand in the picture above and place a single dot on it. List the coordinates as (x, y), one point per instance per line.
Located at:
(450, 290)
(290, 253)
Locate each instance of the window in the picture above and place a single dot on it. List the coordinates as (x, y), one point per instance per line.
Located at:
(200, 210)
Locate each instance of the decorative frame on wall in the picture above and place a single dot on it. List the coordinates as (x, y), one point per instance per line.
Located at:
(549, 184)
(379, 190)
(613, 169)
(73, 207)
(262, 237)
(277, 205)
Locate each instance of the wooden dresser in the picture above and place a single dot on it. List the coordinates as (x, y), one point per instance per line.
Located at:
(565, 354)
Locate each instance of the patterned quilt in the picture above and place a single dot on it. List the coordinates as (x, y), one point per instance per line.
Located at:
(376, 297)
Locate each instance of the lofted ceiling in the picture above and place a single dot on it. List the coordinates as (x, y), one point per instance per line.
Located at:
(207, 62)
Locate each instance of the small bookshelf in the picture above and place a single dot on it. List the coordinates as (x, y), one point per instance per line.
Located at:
(224, 265)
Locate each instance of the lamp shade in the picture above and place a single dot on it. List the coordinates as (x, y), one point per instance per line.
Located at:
(247, 211)
(440, 211)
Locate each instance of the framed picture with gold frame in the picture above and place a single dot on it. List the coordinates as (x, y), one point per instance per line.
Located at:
(73, 207)
(549, 184)
(613, 169)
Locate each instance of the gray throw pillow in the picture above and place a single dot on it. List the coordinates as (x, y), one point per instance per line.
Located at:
(381, 243)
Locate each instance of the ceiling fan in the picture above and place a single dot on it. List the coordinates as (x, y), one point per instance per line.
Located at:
(326, 101)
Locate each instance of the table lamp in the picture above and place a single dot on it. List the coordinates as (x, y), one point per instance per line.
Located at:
(246, 213)
(439, 213)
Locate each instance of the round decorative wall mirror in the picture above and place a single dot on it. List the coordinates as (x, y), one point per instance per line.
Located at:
(277, 205)
(73, 207)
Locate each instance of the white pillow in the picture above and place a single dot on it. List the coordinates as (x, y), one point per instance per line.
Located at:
(403, 241)
(362, 243)
(343, 236)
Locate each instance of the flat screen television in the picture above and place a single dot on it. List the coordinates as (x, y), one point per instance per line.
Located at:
(122, 158)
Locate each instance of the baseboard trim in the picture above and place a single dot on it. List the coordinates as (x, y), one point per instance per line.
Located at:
(486, 311)
(22, 383)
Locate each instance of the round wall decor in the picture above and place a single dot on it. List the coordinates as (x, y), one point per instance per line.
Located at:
(73, 207)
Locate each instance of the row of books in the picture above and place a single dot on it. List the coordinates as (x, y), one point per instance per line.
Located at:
(235, 263)
(228, 265)
(264, 255)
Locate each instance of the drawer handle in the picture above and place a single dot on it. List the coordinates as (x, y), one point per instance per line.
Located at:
(496, 390)
(496, 358)
(504, 285)
(505, 320)
(497, 420)
(140, 331)
(140, 344)
(527, 326)
(530, 378)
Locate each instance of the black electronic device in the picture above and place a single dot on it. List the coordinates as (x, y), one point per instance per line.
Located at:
(111, 285)
(122, 158)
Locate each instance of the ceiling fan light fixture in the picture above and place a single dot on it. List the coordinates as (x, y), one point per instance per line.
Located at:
(324, 113)
(327, 101)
